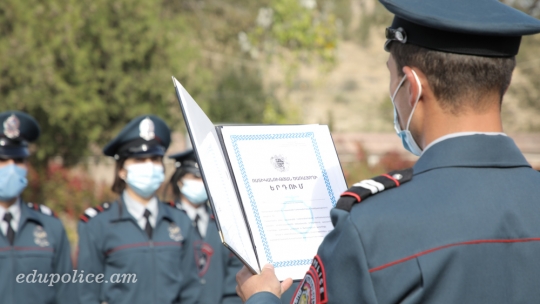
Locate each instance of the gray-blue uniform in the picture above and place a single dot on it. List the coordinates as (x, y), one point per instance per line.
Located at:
(112, 243)
(39, 248)
(463, 226)
(216, 265)
(465, 229)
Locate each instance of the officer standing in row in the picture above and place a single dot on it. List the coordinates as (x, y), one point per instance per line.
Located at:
(33, 242)
(466, 227)
(138, 234)
(216, 265)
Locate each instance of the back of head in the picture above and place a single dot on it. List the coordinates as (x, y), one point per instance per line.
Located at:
(466, 49)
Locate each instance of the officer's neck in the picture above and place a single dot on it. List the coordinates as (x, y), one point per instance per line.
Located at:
(134, 196)
(437, 122)
(195, 206)
(7, 204)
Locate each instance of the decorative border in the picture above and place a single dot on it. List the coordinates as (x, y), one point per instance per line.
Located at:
(235, 139)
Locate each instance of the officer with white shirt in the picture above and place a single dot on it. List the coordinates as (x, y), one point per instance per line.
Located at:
(138, 234)
(461, 226)
(217, 266)
(33, 242)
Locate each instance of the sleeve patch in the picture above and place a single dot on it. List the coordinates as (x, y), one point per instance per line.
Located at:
(312, 289)
(366, 188)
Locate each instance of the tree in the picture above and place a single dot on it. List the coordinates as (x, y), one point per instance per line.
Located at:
(85, 68)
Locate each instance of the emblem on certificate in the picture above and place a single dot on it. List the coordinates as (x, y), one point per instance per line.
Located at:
(280, 163)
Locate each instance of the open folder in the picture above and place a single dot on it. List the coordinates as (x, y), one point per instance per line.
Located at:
(271, 187)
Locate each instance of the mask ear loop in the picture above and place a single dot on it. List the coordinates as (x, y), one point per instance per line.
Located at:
(397, 88)
(417, 99)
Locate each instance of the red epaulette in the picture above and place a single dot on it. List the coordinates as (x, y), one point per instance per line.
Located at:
(368, 187)
(93, 211)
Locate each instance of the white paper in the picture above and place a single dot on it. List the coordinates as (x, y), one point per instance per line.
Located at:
(217, 179)
(289, 177)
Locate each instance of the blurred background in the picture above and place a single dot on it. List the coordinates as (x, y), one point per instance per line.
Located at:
(85, 68)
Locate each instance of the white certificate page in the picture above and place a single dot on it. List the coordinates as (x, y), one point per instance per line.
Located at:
(289, 178)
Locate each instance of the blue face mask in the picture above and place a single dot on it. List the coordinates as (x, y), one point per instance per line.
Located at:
(12, 181)
(406, 137)
(194, 191)
(145, 178)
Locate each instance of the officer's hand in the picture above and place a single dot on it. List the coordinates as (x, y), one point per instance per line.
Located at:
(249, 284)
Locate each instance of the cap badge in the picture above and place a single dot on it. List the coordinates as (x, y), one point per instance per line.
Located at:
(146, 129)
(11, 127)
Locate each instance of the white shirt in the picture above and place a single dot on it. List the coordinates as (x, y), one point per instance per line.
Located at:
(15, 210)
(192, 212)
(459, 134)
(137, 209)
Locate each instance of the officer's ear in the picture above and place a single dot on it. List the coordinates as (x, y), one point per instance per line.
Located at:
(415, 86)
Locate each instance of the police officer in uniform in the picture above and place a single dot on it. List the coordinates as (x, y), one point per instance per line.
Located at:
(461, 226)
(137, 236)
(33, 242)
(216, 265)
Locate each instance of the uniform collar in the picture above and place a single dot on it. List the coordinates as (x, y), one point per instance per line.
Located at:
(124, 214)
(193, 211)
(137, 209)
(28, 214)
(459, 134)
(15, 210)
(478, 150)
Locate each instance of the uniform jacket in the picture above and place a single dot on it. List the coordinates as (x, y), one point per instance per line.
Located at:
(40, 249)
(111, 242)
(217, 267)
(465, 229)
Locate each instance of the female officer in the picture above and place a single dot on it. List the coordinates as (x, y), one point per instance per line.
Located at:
(217, 266)
(137, 248)
(33, 242)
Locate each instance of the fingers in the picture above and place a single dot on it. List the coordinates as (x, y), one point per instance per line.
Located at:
(239, 293)
(243, 275)
(286, 284)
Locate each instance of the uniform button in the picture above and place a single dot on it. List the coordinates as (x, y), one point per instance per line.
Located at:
(203, 281)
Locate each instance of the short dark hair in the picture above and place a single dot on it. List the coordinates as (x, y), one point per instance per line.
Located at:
(454, 77)
(119, 185)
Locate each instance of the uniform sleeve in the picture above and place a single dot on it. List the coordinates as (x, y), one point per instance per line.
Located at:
(65, 292)
(90, 260)
(233, 265)
(263, 297)
(191, 288)
(346, 277)
(341, 266)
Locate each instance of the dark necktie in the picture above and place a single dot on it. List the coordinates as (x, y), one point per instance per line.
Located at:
(196, 224)
(10, 232)
(148, 227)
